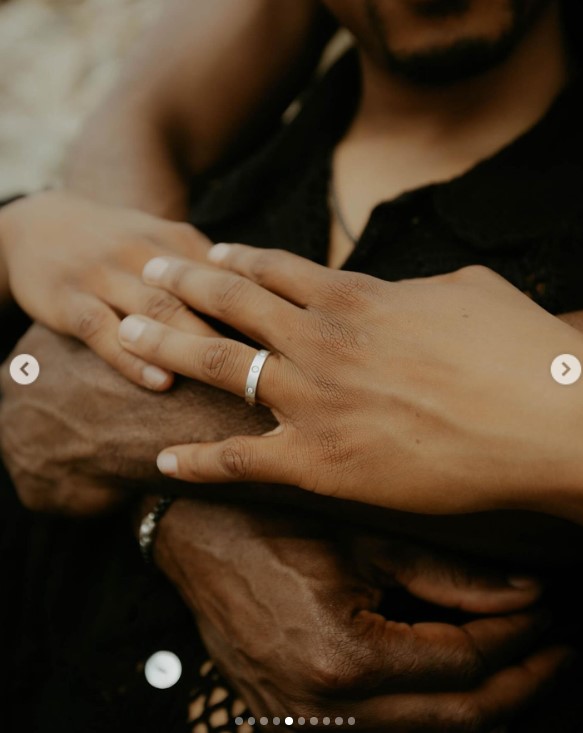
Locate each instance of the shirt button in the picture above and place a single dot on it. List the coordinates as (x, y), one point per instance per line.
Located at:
(163, 670)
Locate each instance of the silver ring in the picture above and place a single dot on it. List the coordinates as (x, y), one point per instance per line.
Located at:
(253, 377)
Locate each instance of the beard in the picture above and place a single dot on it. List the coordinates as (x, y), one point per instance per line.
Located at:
(462, 59)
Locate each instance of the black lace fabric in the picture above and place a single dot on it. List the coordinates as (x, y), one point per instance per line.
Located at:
(80, 613)
(214, 707)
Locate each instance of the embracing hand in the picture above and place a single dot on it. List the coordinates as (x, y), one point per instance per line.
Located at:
(74, 265)
(82, 431)
(289, 611)
(428, 395)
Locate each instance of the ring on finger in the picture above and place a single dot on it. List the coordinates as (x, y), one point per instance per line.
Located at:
(253, 376)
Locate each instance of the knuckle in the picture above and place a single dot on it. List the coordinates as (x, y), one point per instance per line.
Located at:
(342, 669)
(89, 323)
(465, 717)
(472, 274)
(350, 289)
(336, 336)
(32, 500)
(227, 298)
(177, 277)
(473, 663)
(234, 459)
(218, 361)
(163, 307)
(262, 265)
(182, 230)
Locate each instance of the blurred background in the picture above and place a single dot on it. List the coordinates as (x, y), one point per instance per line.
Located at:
(57, 58)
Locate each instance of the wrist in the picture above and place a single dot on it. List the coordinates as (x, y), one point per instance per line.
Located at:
(550, 481)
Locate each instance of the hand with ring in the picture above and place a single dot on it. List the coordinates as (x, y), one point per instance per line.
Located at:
(430, 395)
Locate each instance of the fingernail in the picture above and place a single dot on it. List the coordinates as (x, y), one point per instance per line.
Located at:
(154, 269)
(131, 328)
(218, 252)
(154, 377)
(523, 582)
(167, 463)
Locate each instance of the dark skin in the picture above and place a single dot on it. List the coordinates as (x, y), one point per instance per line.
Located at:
(302, 632)
(291, 562)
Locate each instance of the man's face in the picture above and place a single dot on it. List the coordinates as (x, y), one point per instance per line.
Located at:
(438, 41)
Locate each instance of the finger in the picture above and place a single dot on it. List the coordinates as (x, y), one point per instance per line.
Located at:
(243, 458)
(222, 362)
(128, 294)
(447, 580)
(292, 277)
(499, 700)
(156, 237)
(232, 299)
(437, 656)
(94, 323)
(182, 239)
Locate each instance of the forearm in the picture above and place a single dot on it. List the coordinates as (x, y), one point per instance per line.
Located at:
(206, 79)
(124, 157)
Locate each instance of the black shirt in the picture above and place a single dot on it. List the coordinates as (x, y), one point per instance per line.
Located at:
(519, 212)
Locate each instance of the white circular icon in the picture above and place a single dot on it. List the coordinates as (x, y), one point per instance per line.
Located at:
(163, 670)
(566, 369)
(24, 369)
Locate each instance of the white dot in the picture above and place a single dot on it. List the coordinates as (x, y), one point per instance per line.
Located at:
(239, 721)
(289, 721)
(276, 721)
(326, 721)
(255, 369)
(313, 721)
(163, 670)
(339, 721)
(251, 721)
(264, 721)
(301, 721)
(351, 721)
(249, 390)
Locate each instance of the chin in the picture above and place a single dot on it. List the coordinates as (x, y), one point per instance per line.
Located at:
(451, 64)
(445, 41)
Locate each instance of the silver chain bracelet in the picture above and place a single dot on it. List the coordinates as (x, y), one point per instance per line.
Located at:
(149, 526)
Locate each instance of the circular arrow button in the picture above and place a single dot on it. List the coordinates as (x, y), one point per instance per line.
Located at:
(24, 369)
(566, 369)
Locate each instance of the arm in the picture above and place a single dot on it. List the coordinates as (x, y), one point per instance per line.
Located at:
(321, 641)
(207, 81)
(204, 83)
(82, 430)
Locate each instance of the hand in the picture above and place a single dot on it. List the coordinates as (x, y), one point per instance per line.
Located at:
(431, 395)
(74, 265)
(82, 430)
(293, 623)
